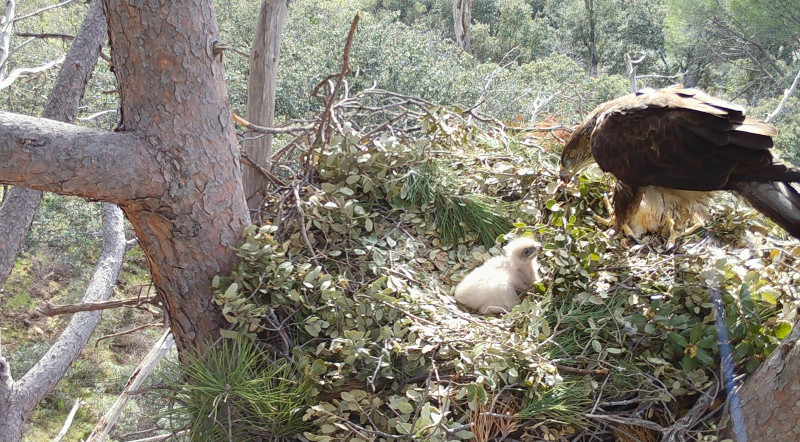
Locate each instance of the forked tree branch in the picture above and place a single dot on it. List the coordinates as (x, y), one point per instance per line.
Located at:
(20, 204)
(16, 73)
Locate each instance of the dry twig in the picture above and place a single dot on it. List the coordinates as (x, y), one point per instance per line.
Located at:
(127, 332)
(49, 310)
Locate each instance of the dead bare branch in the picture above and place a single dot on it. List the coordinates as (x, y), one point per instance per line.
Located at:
(270, 130)
(49, 310)
(127, 332)
(148, 364)
(322, 133)
(68, 421)
(302, 221)
(46, 8)
(97, 115)
(261, 169)
(786, 94)
(46, 35)
(631, 65)
(174, 435)
(627, 421)
(16, 73)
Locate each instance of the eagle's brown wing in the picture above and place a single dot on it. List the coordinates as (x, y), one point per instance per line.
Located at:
(684, 139)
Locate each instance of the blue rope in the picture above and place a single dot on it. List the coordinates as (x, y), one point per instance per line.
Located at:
(735, 403)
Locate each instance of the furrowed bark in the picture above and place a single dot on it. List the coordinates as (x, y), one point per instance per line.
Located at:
(770, 395)
(173, 97)
(172, 166)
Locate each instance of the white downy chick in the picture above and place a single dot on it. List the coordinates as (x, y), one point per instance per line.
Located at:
(493, 287)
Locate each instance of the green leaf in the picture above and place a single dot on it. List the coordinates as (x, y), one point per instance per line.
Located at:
(768, 297)
(230, 292)
(688, 364)
(319, 367)
(464, 435)
(782, 330)
(704, 357)
(228, 334)
(742, 351)
(697, 332)
(678, 339)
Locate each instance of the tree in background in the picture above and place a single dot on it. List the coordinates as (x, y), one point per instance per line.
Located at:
(462, 19)
(746, 47)
(598, 33)
(262, 83)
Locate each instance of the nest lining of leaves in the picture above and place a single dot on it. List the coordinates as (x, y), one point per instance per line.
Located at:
(352, 282)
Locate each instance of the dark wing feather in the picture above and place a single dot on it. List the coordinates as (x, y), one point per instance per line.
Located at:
(683, 139)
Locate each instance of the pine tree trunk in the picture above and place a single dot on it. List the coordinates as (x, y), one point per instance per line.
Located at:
(172, 165)
(770, 396)
(187, 203)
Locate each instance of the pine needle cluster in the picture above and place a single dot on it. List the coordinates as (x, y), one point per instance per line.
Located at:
(235, 392)
(455, 215)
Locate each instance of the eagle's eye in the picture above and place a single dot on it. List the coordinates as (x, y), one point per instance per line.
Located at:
(572, 154)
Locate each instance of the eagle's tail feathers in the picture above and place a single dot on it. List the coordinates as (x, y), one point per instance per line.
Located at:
(777, 171)
(778, 201)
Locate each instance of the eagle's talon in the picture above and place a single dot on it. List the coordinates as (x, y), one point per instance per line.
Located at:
(604, 221)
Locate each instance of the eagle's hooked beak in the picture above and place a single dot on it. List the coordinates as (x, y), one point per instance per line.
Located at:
(564, 175)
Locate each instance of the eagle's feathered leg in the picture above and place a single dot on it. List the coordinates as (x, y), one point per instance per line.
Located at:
(611, 220)
(626, 199)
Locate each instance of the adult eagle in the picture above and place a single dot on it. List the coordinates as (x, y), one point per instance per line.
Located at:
(668, 148)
